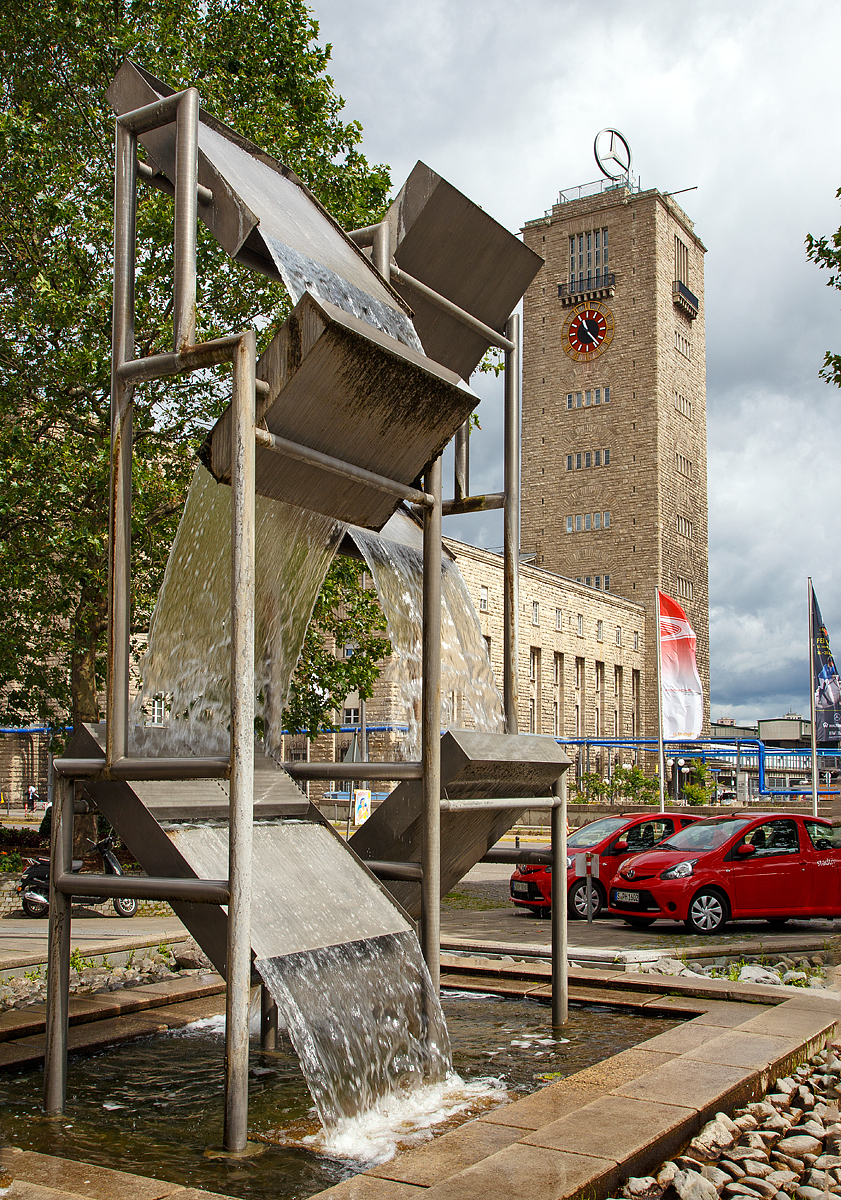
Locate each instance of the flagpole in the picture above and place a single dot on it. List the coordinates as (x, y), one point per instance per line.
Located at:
(812, 712)
(662, 768)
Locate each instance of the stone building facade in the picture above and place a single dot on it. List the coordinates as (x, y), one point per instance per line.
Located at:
(582, 668)
(614, 406)
(582, 652)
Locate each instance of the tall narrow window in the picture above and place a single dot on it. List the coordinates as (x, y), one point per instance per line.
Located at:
(483, 598)
(535, 612)
(559, 618)
(599, 631)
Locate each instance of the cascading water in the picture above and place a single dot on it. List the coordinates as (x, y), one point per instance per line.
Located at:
(470, 698)
(188, 658)
(365, 1022)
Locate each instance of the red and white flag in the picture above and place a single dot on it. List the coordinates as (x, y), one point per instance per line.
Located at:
(682, 694)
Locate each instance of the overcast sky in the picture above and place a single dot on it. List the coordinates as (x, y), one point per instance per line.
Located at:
(740, 99)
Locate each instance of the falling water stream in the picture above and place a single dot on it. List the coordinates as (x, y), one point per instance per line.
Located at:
(470, 698)
(358, 1005)
(188, 658)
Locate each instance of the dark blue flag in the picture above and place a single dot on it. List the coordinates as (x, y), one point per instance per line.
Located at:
(826, 683)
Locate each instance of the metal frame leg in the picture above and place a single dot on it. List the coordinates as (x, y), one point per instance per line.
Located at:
(122, 393)
(58, 953)
(560, 977)
(511, 530)
(431, 730)
(242, 745)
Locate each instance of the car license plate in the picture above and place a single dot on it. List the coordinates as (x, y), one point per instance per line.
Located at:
(520, 889)
(628, 897)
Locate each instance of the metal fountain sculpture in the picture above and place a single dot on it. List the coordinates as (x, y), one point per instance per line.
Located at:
(347, 414)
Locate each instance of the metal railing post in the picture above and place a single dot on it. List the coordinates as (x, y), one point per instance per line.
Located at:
(58, 952)
(381, 250)
(560, 976)
(240, 830)
(119, 541)
(186, 214)
(431, 730)
(462, 462)
(511, 529)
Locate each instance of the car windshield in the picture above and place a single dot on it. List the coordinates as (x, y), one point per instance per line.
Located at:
(706, 835)
(595, 832)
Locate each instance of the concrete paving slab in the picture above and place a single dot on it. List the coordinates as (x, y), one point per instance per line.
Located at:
(23, 1190)
(728, 1013)
(85, 1179)
(792, 1020)
(544, 1174)
(448, 1154)
(542, 1108)
(368, 1187)
(707, 1087)
(683, 1038)
(736, 1048)
(636, 1133)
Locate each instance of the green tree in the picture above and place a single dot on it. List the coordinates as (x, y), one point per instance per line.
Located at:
(700, 784)
(632, 785)
(343, 645)
(259, 67)
(588, 788)
(826, 252)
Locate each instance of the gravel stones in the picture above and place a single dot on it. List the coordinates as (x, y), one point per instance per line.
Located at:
(691, 1185)
(784, 1147)
(800, 1143)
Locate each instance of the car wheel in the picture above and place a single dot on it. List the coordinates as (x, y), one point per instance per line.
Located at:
(639, 922)
(33, 908)
(577, 900)
(777, 922)
(708, 912)
(535, 912)
(124, 908)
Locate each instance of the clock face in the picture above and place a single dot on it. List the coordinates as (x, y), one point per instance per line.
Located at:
(588, 331)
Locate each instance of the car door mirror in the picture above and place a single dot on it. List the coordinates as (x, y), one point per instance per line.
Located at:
(745, 850)
(620, 847)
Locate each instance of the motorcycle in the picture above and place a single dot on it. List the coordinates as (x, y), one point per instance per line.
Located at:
(34, 887)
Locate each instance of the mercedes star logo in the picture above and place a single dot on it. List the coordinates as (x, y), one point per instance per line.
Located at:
(613, 154)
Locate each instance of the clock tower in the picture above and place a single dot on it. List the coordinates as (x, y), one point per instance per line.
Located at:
(614, 491)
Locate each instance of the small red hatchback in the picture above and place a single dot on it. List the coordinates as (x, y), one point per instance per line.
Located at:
(610, 840)
(767, 865)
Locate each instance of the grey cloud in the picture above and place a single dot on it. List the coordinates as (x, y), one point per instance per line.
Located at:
(739, 99)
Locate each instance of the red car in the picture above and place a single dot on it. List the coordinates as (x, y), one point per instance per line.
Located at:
(610, 840)
(764, 865)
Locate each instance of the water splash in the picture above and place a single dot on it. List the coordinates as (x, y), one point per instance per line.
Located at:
(470, 698)
(365, 1022)
(188, 658)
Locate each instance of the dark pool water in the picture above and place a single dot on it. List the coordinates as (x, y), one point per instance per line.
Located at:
(154, 1107)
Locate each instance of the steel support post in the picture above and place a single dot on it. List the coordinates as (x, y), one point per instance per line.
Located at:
(268, 1020)
(381, 251)
(186, 213)
(431, 730)
(462, 462)
(240, 831)
(560, 977)
(119, 540)
(58, 952)
(511, 529)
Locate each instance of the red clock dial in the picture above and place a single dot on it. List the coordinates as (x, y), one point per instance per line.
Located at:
(588, 331)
